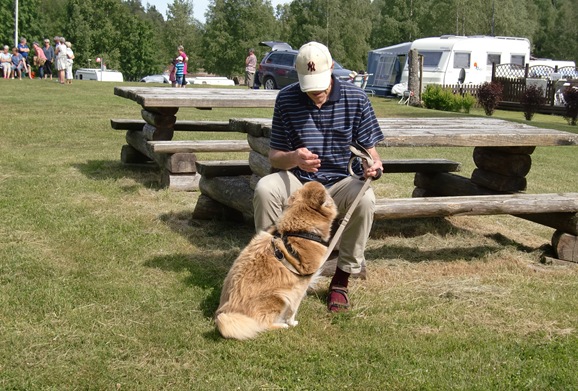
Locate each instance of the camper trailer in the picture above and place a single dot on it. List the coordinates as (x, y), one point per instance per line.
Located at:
(385, 66)
(444, 58)
(98, 74)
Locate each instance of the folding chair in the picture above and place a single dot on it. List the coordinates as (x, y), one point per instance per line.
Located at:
(405, 97)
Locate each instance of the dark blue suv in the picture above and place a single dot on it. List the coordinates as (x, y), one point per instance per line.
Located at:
(277, 69)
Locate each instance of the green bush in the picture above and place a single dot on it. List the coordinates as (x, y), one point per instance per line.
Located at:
(438, 98)
(468, 101)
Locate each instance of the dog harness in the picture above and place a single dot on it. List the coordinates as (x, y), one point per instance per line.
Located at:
(286, 254)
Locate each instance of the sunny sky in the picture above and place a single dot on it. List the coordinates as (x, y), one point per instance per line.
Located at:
(199, 6)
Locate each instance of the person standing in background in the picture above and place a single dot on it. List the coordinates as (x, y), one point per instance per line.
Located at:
(39, 59)
(24, 50)
(250, 68)
(69, 62)
(182, 54)
(61, 60)
(49, 54)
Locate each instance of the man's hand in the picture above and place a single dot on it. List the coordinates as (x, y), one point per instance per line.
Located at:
(306, 160)
(374, 171)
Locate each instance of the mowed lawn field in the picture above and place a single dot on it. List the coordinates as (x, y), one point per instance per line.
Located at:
(107, 283)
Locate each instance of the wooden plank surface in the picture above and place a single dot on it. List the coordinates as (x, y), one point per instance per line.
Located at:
(200, 146)
(213, 168)
(445, 132)
(198, 97)
(187, 126)
(419, 165)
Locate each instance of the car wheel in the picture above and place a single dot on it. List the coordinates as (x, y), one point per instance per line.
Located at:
(269, 84)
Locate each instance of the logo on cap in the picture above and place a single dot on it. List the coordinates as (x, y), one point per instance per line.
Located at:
(311, 66)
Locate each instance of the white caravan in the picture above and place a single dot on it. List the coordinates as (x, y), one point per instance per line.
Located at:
(98, 74)
(444, 57)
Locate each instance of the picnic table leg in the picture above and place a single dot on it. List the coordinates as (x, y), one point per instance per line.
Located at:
(502, 169)
(565, 246)
(159, 125)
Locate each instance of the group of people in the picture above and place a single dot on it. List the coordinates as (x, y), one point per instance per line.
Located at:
(16, 64)
(178, 69)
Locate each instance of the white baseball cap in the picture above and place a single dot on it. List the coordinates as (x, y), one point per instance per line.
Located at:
(314, 66)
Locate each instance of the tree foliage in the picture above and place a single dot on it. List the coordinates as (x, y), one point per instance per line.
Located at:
(232, 27)
(139, 40)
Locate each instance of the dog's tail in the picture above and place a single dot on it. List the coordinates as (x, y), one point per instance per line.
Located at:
(237, 326)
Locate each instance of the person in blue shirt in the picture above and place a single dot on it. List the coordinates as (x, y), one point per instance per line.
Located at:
(24, 50)
(179, 72)
(17, 64)
(314, 122)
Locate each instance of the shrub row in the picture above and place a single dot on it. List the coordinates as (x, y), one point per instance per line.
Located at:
(438, 98)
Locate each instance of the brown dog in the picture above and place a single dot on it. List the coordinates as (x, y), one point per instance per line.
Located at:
(269, 278)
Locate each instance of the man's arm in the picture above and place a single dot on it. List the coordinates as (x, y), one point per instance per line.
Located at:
(301, 157)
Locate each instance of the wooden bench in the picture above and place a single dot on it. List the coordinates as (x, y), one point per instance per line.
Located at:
(231, 182)
(512, 204)
(215, 168)
(175, 158)
(556, 210)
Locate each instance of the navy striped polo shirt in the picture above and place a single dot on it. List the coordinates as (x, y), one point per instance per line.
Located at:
(344, 119)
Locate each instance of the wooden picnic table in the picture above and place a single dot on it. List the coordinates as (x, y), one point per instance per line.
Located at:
(502, 155)
(159, 122)
(204, 98)
(501, 152)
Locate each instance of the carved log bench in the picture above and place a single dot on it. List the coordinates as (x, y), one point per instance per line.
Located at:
(150, 140)
(230, 197)
(215, 168)
(227, 186)
(176, 158)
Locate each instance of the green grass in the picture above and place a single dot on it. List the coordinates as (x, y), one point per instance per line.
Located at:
(107, 283)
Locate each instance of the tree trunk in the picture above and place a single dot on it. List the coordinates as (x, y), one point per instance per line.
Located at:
(413, 79)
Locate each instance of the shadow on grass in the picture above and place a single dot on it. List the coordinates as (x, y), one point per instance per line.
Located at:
(203, 271)
(507, 242)
(415, 255)
(436, 226)
(409, 228)
(217, 245)
(103, 170)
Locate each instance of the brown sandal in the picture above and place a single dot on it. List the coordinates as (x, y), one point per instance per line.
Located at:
(334, 304)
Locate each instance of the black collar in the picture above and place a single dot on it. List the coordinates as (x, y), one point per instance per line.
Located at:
(279, 254)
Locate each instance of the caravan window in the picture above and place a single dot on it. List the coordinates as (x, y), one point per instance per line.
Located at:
(494, 58)
(431, 59)
(518, 59)
(461, 60)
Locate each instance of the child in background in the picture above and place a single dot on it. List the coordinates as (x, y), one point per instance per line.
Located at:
(180, 72)
(173, 73)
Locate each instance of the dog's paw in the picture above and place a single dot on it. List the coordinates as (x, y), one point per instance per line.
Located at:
(292, 323)
(279, 326)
